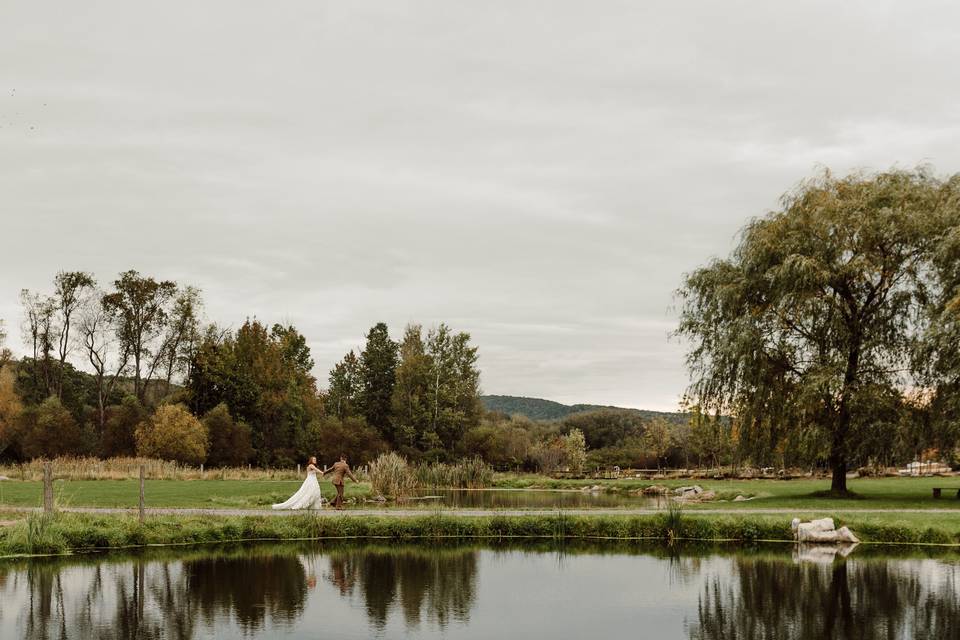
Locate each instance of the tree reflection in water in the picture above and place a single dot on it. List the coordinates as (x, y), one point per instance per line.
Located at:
(442, 582)
(162, 599)
(173, 599)
(248, 588)
(863, 600)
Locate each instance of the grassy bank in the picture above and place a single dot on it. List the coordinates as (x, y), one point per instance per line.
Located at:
(60, 533)
(198, 494)
(870, 493)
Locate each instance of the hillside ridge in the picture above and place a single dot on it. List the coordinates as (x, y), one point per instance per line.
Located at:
(542, 409)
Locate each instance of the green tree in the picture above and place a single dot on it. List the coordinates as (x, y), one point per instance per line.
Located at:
(182, 334)
(344, 393)
(454, 385)
(117, 438)
(264, 377)
(230, 441)
(410, 403)
(329, 437)
(50, 430)
(139, 306)
(819, 307)
(39, 329)
(70, 291)
(606, 427)
(575, 450)
(378, 366)
(173, 433)
(658, 439)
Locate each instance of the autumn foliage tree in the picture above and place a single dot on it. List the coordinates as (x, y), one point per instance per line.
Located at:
(173, 433)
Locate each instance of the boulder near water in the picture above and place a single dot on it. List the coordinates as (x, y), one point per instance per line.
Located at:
(821, 531)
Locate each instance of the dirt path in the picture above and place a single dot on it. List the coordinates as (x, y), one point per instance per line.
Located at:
(412, 513)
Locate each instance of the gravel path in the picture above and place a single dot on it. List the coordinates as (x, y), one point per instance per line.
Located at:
(411, 513)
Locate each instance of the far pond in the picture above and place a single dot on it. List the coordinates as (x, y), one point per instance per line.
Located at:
(533, 591)
(526, 499)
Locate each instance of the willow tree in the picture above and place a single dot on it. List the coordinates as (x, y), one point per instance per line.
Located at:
(820, 308)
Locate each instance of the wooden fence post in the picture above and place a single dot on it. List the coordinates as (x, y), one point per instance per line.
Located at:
(142, 505)
(201, 471)
(48, 487)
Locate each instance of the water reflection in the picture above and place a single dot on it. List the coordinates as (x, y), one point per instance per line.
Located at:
(527, 499)
(441, 583)
(770, 598)
(248, 588)
(468, 592)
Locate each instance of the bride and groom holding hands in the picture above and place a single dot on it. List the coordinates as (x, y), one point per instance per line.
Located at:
(309, 496)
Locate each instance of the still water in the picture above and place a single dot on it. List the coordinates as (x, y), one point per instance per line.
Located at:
(526, 499)
(612, 591)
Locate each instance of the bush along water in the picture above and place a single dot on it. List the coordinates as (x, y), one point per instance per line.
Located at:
(471, 473)
(393, 477)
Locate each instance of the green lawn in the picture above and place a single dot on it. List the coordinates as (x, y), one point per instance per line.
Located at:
(213, 494)
(873, 493)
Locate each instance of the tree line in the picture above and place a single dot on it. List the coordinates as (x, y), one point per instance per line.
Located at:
(133, 369)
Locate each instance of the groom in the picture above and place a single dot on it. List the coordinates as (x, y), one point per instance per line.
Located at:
(339, 470)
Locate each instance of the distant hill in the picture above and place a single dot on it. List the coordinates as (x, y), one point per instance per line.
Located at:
(540, 409)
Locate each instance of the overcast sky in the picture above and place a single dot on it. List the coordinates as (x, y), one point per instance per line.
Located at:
(540, 174)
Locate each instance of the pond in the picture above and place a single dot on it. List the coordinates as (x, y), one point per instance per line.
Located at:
(527, 499)
(533, 591)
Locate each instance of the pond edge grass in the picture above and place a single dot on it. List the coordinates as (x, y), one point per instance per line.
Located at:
(66, 533)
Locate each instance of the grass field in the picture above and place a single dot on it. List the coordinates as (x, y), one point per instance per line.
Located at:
(239, 494)
(873, 493)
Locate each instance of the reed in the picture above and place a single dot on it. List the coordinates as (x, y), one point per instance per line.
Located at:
(71, 468)
(470, 473)
(392, 477)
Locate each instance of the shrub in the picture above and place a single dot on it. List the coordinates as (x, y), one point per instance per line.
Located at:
(472, 473)
(173, 433)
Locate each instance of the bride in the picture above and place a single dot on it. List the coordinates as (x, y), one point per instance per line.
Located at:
(308, 496)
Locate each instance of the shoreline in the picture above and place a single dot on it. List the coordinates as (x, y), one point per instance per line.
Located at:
(71, 532)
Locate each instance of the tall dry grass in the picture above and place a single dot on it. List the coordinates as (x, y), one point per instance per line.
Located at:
(392, 477)
(125, 468)
(470, 473)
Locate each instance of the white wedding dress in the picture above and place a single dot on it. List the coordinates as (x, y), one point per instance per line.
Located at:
(308, 496)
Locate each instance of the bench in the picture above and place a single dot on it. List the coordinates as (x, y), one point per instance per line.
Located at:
(937, 490)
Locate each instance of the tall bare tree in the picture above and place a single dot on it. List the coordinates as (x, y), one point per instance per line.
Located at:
(108, 356)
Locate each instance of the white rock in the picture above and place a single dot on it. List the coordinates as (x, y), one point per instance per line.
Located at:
(821, 531)
(741, 499)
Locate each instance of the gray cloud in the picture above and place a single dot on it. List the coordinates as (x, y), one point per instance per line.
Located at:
(540, 174)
